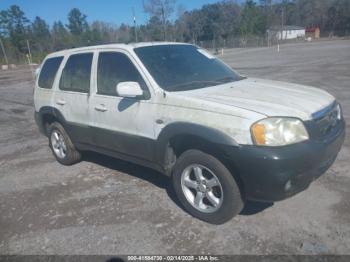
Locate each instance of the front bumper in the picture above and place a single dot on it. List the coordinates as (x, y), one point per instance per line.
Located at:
(275, 173)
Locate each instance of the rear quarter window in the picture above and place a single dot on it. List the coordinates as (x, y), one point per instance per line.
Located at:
(48, 72)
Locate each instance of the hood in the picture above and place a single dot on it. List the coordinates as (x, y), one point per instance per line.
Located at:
(267, 97)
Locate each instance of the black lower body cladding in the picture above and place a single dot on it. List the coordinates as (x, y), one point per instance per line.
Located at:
(39, 122)
(267, 173)
(275, 173)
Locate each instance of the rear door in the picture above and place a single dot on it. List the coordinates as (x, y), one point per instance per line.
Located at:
(45, 82)
(72, 95)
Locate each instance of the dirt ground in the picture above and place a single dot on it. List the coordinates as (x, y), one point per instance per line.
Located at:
(106, 206)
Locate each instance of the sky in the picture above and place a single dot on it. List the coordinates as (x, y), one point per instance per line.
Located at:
(111, 11)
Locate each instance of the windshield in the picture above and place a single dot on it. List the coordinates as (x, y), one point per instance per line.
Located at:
(184, 67)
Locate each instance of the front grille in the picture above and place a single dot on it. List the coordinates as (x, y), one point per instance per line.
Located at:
(324, 121)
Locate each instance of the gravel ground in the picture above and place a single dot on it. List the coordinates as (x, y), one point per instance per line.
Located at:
(106, 206)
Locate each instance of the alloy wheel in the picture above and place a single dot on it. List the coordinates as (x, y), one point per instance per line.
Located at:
(58, 144)
(202, 188)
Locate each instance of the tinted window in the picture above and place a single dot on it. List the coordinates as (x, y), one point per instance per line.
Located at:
(48, 72)
(184, 67)
(76, 73)
(114, 68)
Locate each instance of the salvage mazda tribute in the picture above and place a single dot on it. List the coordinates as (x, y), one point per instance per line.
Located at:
(221, 137)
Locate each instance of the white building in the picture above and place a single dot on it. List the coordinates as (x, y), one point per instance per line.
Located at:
(288, 32)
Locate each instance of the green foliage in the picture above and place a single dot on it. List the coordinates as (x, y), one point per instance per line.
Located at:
(251, 20)
(160, 12)
(77, 22)
(15, 26)
(338, 22)
(224, 21)
(155, 29)
(61, 38)
(40, 35)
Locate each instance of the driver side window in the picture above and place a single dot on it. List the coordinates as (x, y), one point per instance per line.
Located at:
(113, 68)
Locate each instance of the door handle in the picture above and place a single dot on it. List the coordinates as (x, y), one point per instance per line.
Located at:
(60, 102)
(101, 108)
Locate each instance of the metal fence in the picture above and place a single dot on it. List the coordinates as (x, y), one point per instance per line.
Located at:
(236, 42)
(15, 57)
(245, 42)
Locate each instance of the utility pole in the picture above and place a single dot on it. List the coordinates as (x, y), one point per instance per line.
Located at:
(29, 53)
(135, 29)
(282, 22)
(280, 38)
(164, 22)
(3, 51)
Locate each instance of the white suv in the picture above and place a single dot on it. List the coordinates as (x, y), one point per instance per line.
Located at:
(222, 138)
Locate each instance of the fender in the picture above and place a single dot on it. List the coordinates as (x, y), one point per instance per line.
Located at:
(183, 128)
(49, 110)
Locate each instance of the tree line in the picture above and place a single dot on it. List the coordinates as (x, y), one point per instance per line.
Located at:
(218, 22)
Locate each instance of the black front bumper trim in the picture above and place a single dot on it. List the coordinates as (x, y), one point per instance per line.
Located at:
(265, 171)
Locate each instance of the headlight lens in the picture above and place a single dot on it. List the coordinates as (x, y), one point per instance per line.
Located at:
(277, 131)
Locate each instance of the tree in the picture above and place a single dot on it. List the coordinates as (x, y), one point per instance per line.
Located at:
(15, 25)
(155, 29)
(211, 25)
(162, 10)
(251, 20)
(40, 35)
(77, 22)
(3, 23)
(229, 19)
(338, 16)
(124, 33)
(266, 5)
(194, 23)
(221, 22)
(101, 33)
(60, 36)
(40, 28)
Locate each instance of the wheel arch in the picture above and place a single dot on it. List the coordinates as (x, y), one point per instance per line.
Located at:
(180, 136)
(48, 115)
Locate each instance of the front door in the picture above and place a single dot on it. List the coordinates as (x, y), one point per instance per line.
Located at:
(115, 120)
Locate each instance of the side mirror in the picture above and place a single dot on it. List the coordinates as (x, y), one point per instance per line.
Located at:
(129, 89)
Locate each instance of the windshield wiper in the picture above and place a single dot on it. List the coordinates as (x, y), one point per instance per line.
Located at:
(225, 79)
(182, 86)
(203, 83)
(229, 79)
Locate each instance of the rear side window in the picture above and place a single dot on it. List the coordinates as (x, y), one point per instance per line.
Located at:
(49, 71)
(113, 68)
(76, 73)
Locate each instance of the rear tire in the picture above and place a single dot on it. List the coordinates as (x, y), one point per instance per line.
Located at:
(62, 146)
(206, 188)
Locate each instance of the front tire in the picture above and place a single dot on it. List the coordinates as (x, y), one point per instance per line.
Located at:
(62, 146)
(206, 188)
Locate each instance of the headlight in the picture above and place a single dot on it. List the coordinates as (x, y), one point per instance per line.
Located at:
(277, 131)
